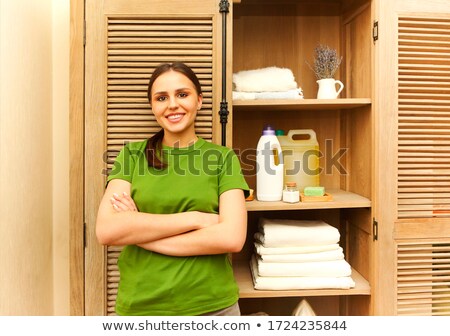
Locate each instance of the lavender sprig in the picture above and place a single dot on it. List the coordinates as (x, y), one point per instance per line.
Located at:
(326, 62)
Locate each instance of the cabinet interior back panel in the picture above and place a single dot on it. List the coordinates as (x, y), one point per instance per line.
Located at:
(283, 36)
(324, 123)
(423, 117)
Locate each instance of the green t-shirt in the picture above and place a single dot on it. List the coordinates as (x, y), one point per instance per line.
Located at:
(157, 284)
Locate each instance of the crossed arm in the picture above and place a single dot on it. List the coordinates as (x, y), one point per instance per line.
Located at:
(182, 234)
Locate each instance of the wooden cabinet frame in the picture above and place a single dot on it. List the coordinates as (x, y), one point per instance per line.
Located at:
(76, 152)
(395, 235)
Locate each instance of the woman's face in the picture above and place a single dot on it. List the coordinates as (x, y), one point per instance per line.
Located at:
(175, 102)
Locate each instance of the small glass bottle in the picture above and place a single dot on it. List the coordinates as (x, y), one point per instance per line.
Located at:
(290, 193)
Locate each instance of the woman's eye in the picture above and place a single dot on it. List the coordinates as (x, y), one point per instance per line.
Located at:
(161, 98)
(182, 95)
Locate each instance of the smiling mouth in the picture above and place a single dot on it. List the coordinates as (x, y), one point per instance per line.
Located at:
(175, 116)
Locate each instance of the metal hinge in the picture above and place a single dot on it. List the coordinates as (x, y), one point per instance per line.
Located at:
(375, 31)
(224, 6)
(84, 33)
(375, 229)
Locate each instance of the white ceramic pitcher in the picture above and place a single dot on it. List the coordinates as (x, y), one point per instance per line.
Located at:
(327, 88)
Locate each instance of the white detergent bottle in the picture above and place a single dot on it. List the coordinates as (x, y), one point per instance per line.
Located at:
(269, 167)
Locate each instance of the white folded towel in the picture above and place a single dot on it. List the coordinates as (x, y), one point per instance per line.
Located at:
(261, 250)
(291, 94)
(297, 283)
(265, 79)
(304, 257)
(286, 232)
(334, 268)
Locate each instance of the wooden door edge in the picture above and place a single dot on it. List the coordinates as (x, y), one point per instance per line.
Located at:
(76, 154)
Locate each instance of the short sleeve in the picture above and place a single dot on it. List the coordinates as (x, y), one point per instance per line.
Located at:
(123, 166)
(230, 176)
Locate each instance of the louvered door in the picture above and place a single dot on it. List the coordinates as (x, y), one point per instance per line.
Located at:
(413, 198)
(125, 41)
(423, 117)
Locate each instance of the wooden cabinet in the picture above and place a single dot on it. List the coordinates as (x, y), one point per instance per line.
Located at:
(385, 141)
(389, 129)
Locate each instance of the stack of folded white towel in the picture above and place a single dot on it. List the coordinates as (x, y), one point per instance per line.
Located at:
(299, 254)
(266, 83)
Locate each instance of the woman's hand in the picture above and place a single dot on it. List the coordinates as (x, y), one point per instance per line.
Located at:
(122, 203)
(205, 219)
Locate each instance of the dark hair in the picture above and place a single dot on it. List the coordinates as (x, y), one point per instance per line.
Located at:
(153, 150)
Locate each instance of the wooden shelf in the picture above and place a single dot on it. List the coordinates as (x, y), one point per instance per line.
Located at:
(246, 290)
(341, 200)
(300, 104)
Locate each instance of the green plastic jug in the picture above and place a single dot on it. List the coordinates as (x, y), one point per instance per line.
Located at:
(301, 158)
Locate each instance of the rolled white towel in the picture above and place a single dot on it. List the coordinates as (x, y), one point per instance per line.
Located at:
(265, 79)
(287, 232)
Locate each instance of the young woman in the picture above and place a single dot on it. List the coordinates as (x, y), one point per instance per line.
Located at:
(177, 202)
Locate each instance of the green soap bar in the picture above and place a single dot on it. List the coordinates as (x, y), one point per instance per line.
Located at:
(314, 191)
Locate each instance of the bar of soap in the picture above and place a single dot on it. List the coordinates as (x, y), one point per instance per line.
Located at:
(314, 191)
